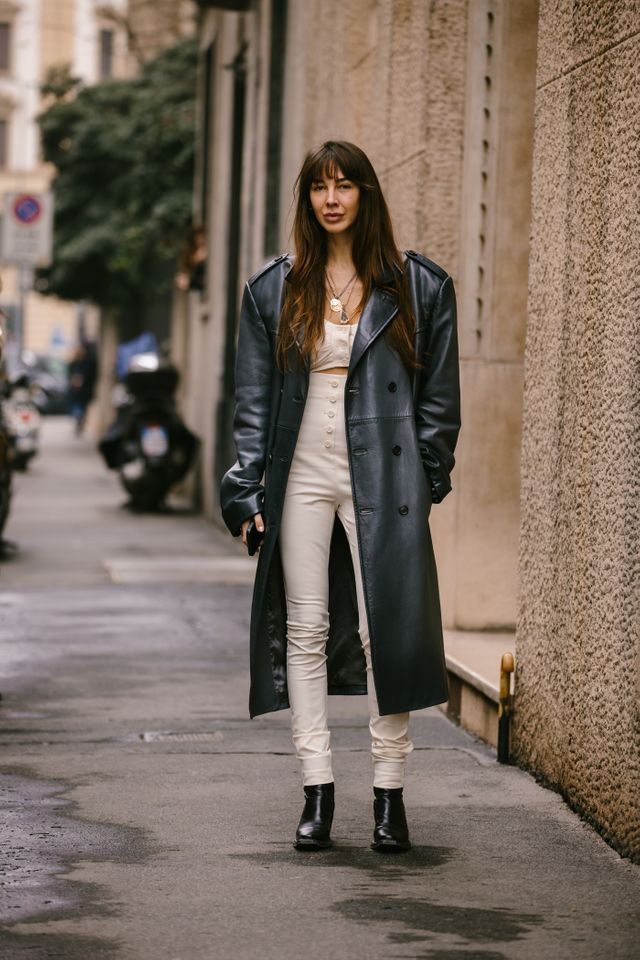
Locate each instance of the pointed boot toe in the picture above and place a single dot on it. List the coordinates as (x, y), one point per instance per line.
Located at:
(314, 829)
(391, 834)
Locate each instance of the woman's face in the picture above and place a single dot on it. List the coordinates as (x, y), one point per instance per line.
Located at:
(335, 202)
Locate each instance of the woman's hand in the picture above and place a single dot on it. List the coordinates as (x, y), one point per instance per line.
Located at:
(259, 526)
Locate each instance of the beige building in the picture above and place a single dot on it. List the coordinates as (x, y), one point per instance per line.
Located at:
(98, 41)
(503, 132)
(36, 36)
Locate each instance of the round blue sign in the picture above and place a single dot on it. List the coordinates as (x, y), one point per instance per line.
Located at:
(27, 209)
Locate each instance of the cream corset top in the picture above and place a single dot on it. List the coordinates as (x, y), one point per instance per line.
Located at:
(335, 349)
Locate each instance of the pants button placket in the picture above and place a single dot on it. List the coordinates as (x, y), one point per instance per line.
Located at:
(330, 413)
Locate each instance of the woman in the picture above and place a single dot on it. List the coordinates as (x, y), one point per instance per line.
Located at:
(347, 415)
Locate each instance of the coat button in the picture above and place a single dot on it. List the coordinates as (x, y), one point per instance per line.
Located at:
(392, 387)
(396, 451)
(403, 510)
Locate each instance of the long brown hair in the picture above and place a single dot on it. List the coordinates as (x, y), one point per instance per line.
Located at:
(375, 256)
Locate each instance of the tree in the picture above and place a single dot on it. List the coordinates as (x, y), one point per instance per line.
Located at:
(123, 152)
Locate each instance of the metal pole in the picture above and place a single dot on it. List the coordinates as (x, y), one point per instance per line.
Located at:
(507, 666)
(22, 304)
(25, 282)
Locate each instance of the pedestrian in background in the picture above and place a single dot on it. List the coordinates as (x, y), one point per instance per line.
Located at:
(347, 416)
(192, 261)
(82, 374)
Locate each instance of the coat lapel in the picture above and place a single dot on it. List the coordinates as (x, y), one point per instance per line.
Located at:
(378, 312)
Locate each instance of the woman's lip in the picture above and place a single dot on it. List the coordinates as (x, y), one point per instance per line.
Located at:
(333, 216)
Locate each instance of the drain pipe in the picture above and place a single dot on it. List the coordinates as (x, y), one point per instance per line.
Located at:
(507, 666)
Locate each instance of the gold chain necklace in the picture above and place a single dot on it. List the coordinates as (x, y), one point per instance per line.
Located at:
(335, 302)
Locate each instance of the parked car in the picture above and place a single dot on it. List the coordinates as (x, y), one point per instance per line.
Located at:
(48, 378)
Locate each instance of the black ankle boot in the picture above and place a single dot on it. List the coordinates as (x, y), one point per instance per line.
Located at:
(314, 829)
(391, 834)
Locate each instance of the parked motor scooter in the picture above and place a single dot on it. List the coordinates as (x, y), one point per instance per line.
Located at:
(148, 444)
(22, 420)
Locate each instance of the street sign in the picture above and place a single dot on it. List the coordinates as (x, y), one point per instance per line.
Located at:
(26, 234)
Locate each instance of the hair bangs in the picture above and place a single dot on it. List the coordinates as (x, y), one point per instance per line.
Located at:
(332, 160)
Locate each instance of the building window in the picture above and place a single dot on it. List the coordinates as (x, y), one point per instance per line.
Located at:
(106, 54)
(5, 47)
(4, 143)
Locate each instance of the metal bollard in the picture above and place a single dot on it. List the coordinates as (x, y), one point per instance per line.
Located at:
(507, 666)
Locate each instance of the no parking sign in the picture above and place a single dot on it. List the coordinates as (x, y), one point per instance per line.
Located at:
(27, 227)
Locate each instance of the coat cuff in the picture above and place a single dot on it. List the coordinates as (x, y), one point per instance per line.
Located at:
(440, 486)
(234, 514)
(437, 477)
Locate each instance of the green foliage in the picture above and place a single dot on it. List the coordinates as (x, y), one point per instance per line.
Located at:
(123, 152)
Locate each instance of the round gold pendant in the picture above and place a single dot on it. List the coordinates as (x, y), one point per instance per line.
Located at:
(335, 304)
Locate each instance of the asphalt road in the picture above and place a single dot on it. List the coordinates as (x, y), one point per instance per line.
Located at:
(146, 818)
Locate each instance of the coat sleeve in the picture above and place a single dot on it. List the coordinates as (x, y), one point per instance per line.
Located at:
(242, 489)
(438, 398)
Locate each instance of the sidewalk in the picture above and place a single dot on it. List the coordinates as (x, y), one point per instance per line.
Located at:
(71, 533)
(147, 818)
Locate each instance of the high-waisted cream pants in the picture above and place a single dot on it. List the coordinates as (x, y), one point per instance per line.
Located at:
(319, 486)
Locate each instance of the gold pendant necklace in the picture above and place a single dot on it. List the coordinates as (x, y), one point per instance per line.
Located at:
(335, 303)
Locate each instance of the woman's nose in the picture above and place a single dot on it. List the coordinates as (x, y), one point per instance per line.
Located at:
(331, 196)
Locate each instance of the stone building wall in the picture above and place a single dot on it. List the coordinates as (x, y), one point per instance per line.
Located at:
(440, 96)
(154, 25)
(390, 75)
(578, 639)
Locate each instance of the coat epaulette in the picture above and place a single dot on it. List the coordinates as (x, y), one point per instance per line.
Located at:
(429, 264)
(267, 266)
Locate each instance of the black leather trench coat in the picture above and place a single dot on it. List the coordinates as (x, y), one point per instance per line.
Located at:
(401, 432)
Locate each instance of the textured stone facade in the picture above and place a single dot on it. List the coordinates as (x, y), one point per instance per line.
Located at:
(391, 77)
(578, 640)
(441, 97)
